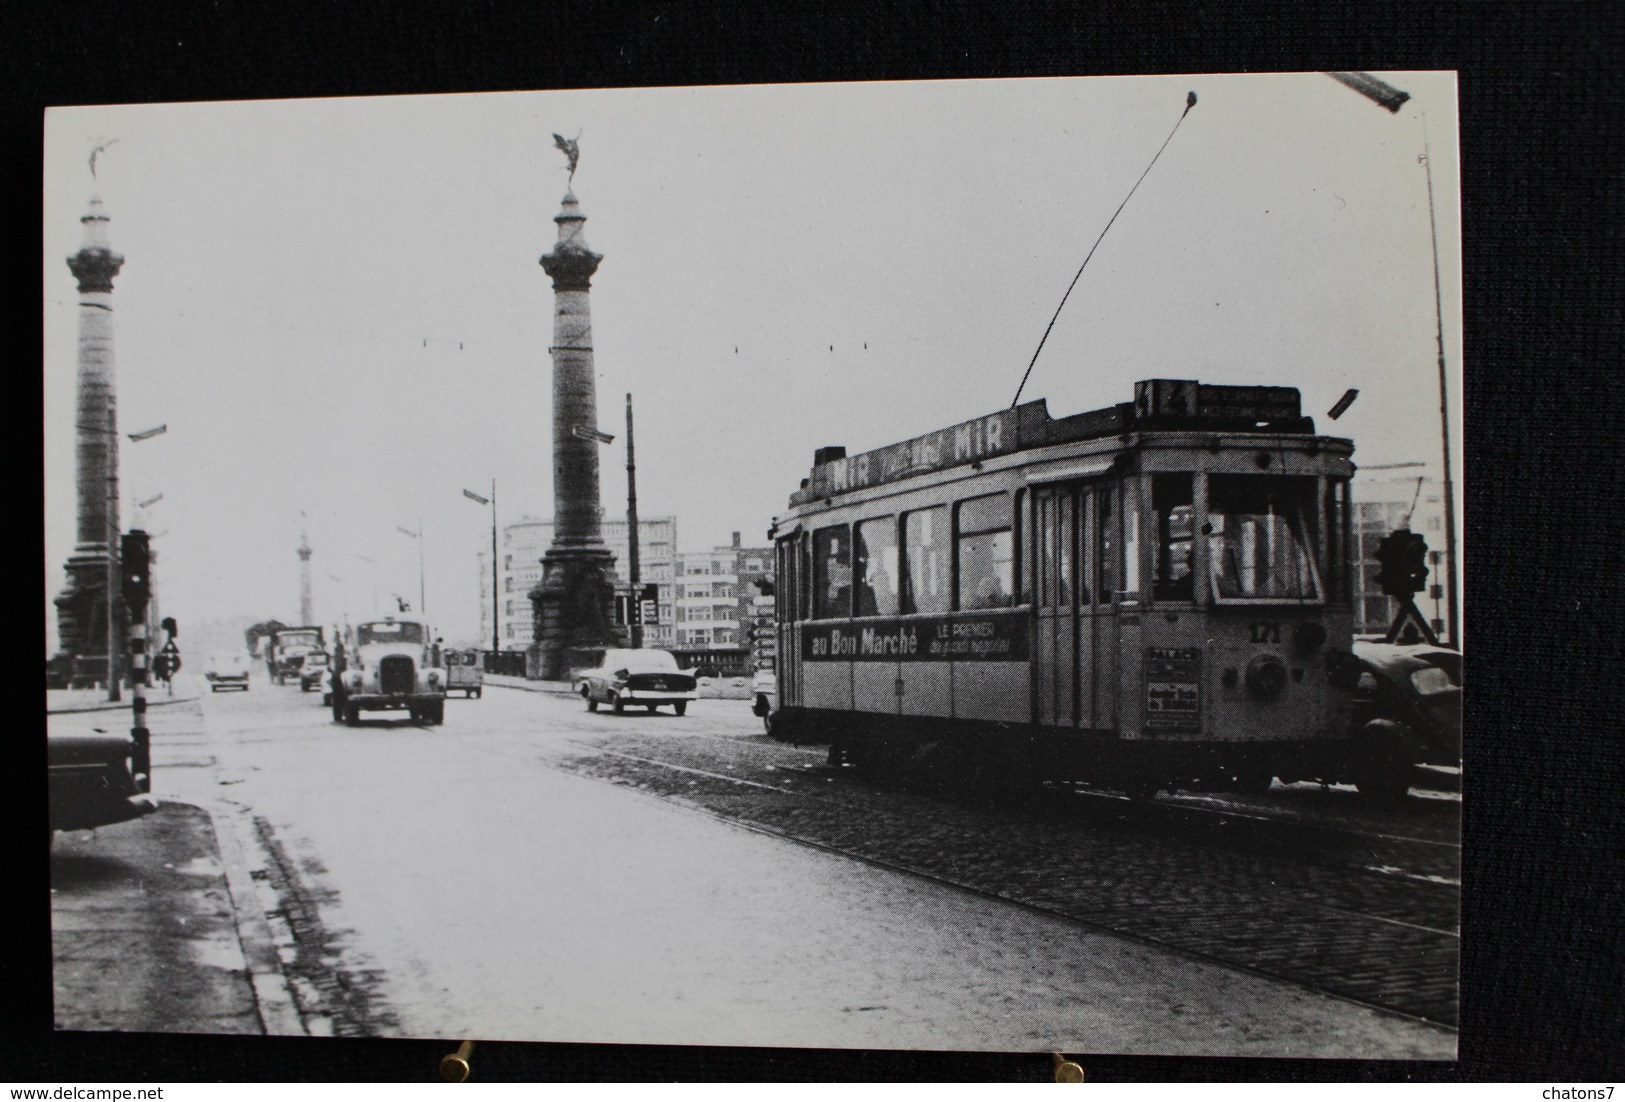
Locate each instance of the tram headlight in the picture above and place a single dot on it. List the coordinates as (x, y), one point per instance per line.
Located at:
(1266, 676)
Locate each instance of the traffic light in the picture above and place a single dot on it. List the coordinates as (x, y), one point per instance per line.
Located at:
(135, 562)
(1403, 563)
(649, 604)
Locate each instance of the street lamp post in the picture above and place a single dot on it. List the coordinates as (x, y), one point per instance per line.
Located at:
(496, 641)
(418, 535)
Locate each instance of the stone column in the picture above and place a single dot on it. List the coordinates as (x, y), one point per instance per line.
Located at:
(574, 604)
(83, 606)
(306, 614)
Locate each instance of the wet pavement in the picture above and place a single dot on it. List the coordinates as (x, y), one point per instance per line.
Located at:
(404, 880)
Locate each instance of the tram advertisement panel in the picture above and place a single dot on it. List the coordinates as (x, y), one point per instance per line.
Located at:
(1173, 688)
(964, 636)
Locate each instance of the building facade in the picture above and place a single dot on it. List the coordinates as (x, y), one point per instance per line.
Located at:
(1386, 498)
(713, 605)
(522, 545)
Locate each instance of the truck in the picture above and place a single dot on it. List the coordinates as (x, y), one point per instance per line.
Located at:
(395, 663)
(286, 648)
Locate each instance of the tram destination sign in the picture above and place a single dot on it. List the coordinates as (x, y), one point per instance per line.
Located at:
(966, 442)
(999, 636)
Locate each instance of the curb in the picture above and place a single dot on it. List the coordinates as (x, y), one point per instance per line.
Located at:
(273, 996)
(122, 706)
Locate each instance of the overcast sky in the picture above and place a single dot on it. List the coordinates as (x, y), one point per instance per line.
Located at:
(336, 305)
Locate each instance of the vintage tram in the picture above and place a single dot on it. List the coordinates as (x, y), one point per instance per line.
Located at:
(1154, 595)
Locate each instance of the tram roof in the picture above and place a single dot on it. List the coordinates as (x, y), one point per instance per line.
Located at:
(1159, 405)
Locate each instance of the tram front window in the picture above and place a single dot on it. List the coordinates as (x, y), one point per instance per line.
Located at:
(1257, 546)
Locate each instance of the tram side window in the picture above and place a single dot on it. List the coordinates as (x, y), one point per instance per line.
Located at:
(985, 559)
(1105, 542)
(1175, 506)
(876, 567)
(925, 560)
(832, 573)
(1258, 546)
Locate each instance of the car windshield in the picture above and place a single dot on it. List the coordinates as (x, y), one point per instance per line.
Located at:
(299, 639)
(640, 660)
(389, 631)
(224, 661)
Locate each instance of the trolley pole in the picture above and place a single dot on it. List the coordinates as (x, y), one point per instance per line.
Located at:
(635, 620)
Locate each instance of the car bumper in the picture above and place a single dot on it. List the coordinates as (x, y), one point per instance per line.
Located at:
(373, 702)
(655, 696)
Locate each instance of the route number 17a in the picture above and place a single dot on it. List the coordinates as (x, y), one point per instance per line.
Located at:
(1266, 631)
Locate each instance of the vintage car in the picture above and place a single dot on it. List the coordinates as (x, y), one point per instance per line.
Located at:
(226, 671)
(636, 678)
(463, 672)
(1407, 712)
(312, 670)
(95, 778)
(392, 665)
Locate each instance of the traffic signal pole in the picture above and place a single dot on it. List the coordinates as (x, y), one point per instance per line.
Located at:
(134, 559)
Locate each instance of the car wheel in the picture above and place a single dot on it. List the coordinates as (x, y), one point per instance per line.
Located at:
(437, 714)
(652, 708)
(352, 715)
(619, 706)
(592, 703)
(680, 707)
(477, 693)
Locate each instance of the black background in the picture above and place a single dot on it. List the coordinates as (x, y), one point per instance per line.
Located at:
(1540, 94)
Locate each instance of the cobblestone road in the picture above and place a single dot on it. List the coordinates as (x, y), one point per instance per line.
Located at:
(1367, 915)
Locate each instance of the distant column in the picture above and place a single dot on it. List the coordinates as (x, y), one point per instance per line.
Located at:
(83, 606)
(306, 614)
(573, 606)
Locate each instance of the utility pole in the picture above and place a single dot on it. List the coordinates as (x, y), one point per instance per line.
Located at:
(496, 640)
(635, 621)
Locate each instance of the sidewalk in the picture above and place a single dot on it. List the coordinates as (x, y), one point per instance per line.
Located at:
(95, 700)
(718, 690)
(156, 923)
(504, 681)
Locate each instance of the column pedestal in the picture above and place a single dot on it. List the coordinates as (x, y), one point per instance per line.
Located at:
(574, 612)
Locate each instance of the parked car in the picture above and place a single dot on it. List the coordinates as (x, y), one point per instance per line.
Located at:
(632, 678)
(95, 778)
(391, 666)
(463, 672)
(226, 671)
(1407, 711)
(312, 670)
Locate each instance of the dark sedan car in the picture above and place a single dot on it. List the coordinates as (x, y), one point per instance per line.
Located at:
(1407, 712)
(95, 778)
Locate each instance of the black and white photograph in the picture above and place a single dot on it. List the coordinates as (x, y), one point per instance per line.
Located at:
(948, 565)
